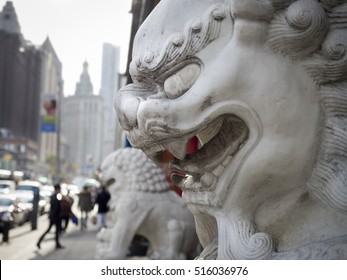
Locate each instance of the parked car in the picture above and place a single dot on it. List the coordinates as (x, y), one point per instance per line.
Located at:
(46, 192)
(73, 189)
(25, 193)
(5, 174)
(7, 186)
(27, 200)
(29, 185)
(44, 205)
(70, 189)
(19, 213)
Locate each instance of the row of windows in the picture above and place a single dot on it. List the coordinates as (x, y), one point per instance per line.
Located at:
(87, 106)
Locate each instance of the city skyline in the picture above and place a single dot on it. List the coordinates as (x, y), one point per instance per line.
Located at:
(77, 30)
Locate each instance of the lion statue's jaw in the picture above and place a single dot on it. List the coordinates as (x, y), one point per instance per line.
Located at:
(269, 110)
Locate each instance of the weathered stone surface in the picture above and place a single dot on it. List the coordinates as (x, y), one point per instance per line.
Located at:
(263, 85)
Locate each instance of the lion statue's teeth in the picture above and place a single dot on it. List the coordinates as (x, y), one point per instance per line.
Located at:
(207, 134)
(177, 148)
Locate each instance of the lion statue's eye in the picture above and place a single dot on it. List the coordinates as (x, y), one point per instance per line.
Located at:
(181, 81)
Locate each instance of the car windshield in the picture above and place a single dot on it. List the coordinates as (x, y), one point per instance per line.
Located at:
(4, 186)
(5, 202)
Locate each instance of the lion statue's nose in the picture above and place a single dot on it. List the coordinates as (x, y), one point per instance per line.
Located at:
(126, 105)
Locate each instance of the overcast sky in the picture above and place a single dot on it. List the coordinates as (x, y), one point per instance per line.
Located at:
(77, 29)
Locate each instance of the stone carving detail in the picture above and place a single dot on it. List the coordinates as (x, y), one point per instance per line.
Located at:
(266, 94)
(141, 203)
(181, 46)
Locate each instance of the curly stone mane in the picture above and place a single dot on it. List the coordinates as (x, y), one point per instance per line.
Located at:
(140, 172)
(313, 35)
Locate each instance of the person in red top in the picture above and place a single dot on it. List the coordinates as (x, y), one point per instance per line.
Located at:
(65, 211)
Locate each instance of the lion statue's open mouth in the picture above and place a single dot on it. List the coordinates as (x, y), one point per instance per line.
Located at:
(221, 140)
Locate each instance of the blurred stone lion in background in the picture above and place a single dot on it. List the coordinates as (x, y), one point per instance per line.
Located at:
(141, 203)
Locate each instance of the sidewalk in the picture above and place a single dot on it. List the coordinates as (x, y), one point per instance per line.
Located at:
(79, 245)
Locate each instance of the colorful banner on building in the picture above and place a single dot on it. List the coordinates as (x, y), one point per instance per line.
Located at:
(49, 113)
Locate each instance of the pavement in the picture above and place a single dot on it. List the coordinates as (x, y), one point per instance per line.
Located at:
(79, 245)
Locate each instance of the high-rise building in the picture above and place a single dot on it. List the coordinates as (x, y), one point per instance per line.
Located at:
(30, 83)
(20, 88)
(20, 66)
(109, 86)
(82, 126)
(51, 91)
(110, 74)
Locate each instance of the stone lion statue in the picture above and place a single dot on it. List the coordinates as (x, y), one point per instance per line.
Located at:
(263, 85)
(141, 203)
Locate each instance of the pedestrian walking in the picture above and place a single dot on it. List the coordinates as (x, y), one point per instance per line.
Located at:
(102, 199)
(66, 211)
(85, 205)
(54, 218)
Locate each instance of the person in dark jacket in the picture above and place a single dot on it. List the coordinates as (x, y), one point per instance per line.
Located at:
(86, 205)
(102, 199)
(54, 218)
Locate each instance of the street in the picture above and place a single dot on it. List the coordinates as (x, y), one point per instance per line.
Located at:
(79, 245)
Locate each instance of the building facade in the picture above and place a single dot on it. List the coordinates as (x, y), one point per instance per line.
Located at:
(20, 78)
(51, 92)
(82, 125)
(20, 84)
(110, 83)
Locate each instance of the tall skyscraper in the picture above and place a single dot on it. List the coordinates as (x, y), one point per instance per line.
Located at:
(83, 126)
(110, 74)
(109, 86)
